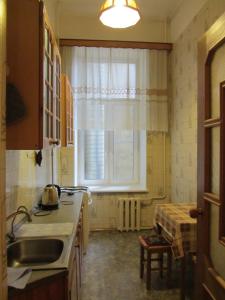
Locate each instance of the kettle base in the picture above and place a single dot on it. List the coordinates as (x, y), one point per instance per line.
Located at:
(48, 207)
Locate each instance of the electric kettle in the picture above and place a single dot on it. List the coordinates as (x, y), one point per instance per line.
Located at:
(50, 197)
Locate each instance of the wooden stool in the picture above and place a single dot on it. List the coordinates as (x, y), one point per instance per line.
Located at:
(154, 245)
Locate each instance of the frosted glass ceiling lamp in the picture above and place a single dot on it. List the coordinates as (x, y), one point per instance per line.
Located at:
(119, 13)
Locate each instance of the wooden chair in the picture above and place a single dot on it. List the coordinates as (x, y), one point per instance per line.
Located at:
(155, 244)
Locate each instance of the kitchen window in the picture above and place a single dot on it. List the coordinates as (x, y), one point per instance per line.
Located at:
(120, 94)
(111, 151)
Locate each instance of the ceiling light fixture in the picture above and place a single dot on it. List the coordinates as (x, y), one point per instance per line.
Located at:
(119, 13)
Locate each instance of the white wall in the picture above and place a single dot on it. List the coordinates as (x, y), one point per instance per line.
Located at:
(52, 11)
(184, 16)
(77, 27)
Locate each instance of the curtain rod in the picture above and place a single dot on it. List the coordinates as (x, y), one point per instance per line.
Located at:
(115, 44)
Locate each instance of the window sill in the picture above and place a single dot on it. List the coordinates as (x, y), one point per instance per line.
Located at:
(117, 189)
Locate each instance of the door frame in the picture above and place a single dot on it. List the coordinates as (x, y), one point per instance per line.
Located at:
(207, 278)
(3, 265)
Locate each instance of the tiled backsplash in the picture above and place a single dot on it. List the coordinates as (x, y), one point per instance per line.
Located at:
(24, 179)
(66, 166)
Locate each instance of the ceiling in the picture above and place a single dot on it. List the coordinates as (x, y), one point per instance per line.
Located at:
(152, 9)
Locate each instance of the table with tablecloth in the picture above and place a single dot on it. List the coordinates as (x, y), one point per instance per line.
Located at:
(179, 227)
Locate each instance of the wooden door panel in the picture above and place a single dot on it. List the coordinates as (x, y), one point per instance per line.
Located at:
(211, 164)
(213, 283)
(217, 252)
(215, 161)
(217, 76)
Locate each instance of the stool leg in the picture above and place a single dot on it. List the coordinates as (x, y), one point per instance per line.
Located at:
(169, 264)
(161, 265)
(182, 283)
(142, 261)
(149, 267)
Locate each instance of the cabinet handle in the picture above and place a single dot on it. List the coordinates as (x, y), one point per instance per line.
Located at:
(54, 142)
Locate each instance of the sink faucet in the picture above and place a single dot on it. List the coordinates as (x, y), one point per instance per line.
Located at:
(20, 210)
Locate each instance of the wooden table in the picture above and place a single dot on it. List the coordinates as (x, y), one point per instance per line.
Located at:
(181, 230)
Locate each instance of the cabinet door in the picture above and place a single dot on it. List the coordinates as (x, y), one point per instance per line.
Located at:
(73, 290)
(52, 288)
(48, 83)
(33, 97)
(52, 70)
(78, 274)
(57, 97)
(24, 62)
(73, 283)
(70, 125)
(67, 125)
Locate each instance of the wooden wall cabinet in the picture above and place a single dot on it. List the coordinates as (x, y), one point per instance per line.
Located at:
(67, 117)
(34, 70)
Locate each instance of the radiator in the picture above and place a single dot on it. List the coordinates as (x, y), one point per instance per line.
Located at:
(128, 214)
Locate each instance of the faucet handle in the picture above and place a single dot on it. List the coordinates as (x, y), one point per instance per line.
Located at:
(22, 207)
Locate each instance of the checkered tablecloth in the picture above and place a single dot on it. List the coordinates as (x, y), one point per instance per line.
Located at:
(179, 227)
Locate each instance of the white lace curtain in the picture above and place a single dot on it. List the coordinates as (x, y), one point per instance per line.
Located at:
(118, 89)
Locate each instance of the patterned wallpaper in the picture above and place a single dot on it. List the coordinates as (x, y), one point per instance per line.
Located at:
(183, 79)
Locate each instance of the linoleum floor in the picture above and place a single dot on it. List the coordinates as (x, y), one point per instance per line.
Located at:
(111, 270)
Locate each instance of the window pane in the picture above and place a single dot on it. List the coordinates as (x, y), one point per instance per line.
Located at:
(94, 155)
(124, 156)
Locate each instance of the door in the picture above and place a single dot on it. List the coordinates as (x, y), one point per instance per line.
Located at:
(211, 164)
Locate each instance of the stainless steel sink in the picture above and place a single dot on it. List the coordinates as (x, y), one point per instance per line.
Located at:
(34, 252)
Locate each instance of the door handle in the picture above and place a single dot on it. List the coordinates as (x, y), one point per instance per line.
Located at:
(195, 212)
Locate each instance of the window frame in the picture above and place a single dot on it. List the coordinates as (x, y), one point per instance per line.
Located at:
(109, 185)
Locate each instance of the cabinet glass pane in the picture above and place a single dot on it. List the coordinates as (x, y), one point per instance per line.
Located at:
(68, 134)
(51, 100)
(46, 73)
(46, 98)
(57, 87)
(58, 109)
(50, 50)
(51, 74)
(58, 129)
(46, 124)
(51, 126)
(46, 39)
(57, 66)
(45, 68)
(49, 46)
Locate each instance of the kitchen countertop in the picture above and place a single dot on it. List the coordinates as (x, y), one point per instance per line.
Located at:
(65, 213)
(68, 212)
